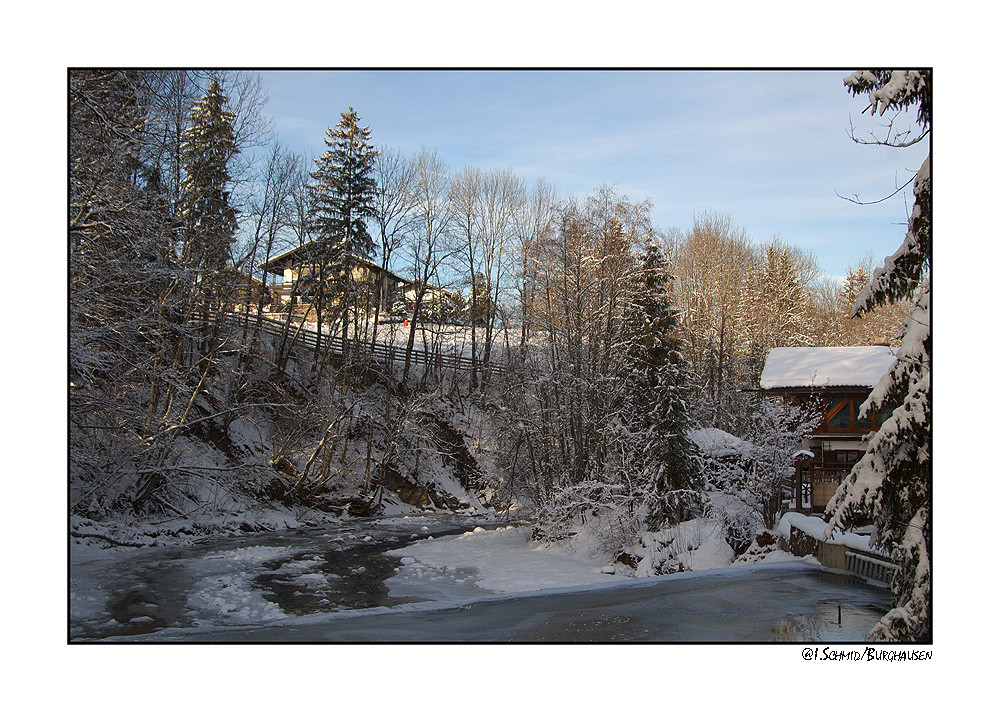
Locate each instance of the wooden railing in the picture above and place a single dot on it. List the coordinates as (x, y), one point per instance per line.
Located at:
(838, 555)
(307, 338)
(830, 472)
(869, 567)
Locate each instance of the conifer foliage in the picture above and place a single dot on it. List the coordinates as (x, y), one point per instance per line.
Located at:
(893, 478)
(343, 195)
(655, 406)
(344, 189)
(209, 218)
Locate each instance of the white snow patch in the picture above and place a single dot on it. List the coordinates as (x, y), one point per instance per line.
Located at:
(695, 545)
(718, 443)
(816, 528)
(504, 561)
(774, 557)
(508, 561)
(227, 593)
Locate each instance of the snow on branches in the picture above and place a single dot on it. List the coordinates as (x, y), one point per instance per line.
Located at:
(891, 482)
(895, 89)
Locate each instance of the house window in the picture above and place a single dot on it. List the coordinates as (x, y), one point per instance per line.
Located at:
(839, 414)
(844, 414)
(846, 457)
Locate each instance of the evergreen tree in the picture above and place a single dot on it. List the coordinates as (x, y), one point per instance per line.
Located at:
(655, 407)
(343, 198)
(209, 218)
(892, 479)
(345, 189)
(778, 300)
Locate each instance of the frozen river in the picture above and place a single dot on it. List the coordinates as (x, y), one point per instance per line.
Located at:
(338, 584)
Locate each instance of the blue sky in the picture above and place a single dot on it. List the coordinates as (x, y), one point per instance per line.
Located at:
(768, 148)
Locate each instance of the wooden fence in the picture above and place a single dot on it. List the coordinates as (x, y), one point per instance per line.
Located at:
(870, 567)
(307, 338)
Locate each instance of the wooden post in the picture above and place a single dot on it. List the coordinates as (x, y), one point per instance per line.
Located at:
(798, 486)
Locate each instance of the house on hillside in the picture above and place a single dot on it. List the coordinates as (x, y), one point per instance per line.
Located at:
(437, 305)
(232, 290)
(296, 266)
(841, 378)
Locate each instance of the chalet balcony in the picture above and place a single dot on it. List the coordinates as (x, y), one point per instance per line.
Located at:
(830, 473)
(817, 484)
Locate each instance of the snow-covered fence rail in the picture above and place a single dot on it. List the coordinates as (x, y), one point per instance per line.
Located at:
(843, 552)
(307, 338)
(870, 567)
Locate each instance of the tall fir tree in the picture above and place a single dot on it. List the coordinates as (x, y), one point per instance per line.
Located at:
(343, 193)
(879, 324)
(655, 407)
(344, 190)
(208, 217)
(893, 479)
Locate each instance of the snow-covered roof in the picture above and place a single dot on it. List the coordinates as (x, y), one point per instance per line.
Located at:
(719, 443)
(826, 366)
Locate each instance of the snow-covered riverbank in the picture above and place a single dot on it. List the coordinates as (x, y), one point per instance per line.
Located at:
(229, 587)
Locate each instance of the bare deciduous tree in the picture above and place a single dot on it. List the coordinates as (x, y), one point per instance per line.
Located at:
(430, 243)
(711, 265)
(394, 206)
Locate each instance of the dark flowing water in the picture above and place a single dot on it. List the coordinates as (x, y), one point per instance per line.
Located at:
(296, 572)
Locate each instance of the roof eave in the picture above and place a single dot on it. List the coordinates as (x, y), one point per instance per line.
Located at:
(840, 388)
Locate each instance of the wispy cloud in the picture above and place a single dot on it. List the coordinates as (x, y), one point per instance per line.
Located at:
(770, 148)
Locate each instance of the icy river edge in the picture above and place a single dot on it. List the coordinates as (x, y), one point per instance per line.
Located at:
(461, 580)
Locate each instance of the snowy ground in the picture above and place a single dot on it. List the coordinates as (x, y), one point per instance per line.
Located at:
(507, 561)
(500, 561)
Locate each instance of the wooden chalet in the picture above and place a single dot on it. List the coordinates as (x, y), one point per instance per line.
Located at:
(230, 289)
(295, 264)
(438, 304)
(247, 291)
(841, 379)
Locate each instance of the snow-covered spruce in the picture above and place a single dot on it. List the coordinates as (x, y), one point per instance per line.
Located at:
(892, 479)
